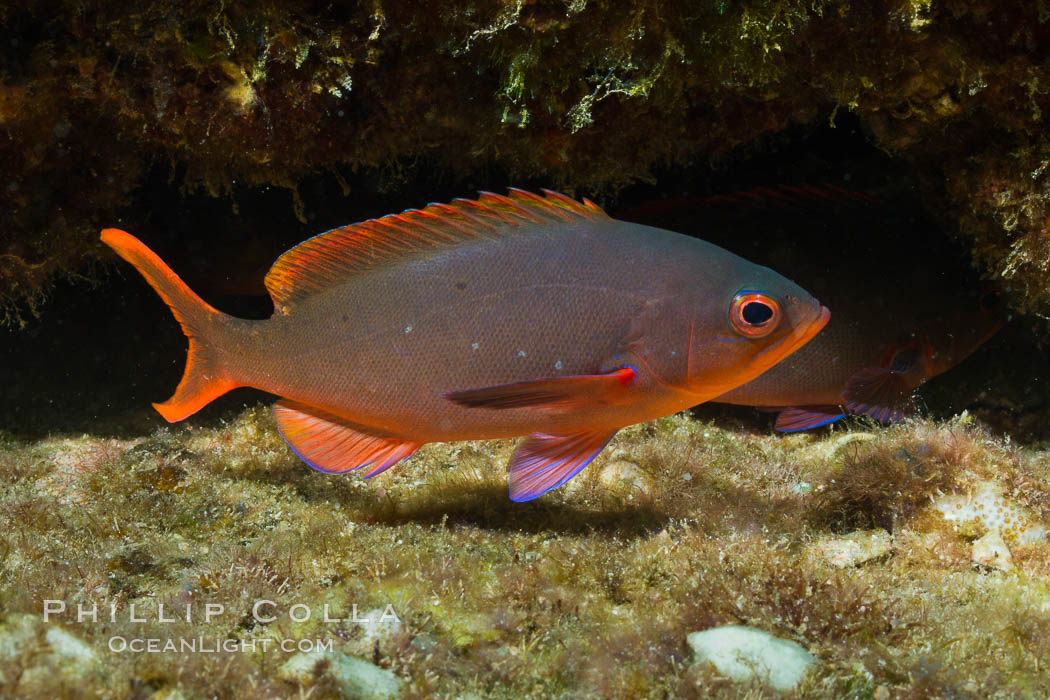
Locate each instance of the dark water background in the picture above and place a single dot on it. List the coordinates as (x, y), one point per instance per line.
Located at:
(102, 351)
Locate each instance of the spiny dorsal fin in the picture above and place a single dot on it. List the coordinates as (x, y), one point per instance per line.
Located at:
(322, 260)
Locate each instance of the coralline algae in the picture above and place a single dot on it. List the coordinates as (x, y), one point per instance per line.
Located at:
(986, 509)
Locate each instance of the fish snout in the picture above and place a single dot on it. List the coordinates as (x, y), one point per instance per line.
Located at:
(806, 319)
(805, 315)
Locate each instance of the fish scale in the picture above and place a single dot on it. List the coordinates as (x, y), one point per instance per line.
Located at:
(581, 326)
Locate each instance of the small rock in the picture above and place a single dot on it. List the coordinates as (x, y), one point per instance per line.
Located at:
(626, 475)
(355, 678)
(829, 448)
(465, 628)
(853, 549)
(69, 648)
(60, 652)
(991, 551)
(802, 487)
(383, 630)
(743, 653)
(168, 694)
(423, 643)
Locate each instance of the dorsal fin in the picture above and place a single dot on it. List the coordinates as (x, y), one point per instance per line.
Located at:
(322, 260)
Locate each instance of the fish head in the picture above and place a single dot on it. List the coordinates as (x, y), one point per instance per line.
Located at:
(755, 320)
(955, 327)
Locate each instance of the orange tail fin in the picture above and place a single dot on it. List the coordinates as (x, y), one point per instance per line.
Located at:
(205, 377)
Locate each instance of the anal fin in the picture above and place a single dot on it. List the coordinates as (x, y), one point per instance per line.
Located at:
(581, 391)
(795, 418)
(544, 462)
(332, 444)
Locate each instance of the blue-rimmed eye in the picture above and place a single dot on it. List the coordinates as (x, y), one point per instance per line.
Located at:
(754, 314)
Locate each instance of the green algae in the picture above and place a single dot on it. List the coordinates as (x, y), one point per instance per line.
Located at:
(585, 592)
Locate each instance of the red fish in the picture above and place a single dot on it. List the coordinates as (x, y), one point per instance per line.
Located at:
(497, 317)
(892, 330)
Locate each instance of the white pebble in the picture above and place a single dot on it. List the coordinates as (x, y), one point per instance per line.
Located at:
(623, 474)
(853, 549)
(743, 653)
(991, 551)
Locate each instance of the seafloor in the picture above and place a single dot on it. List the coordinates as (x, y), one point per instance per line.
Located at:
(837, 541)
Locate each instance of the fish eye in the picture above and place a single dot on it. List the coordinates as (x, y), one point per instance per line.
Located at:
(990, 301)
(754, 314)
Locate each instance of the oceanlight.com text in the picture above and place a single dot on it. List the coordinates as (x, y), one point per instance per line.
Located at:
(214, 645)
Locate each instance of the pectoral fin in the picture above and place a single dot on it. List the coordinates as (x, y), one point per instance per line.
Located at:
(581, 391)
(331, 444)
(544, 462)
(879, 393)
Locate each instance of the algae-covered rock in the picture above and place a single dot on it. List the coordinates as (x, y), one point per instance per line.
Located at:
(354, 679)
(59, 658)
(628, 477)
(168, 694)
(382, 633)
(585, 95)
(827, 449)
(853, 549)
(992, 551)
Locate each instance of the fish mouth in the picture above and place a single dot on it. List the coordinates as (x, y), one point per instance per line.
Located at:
(795, 340)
